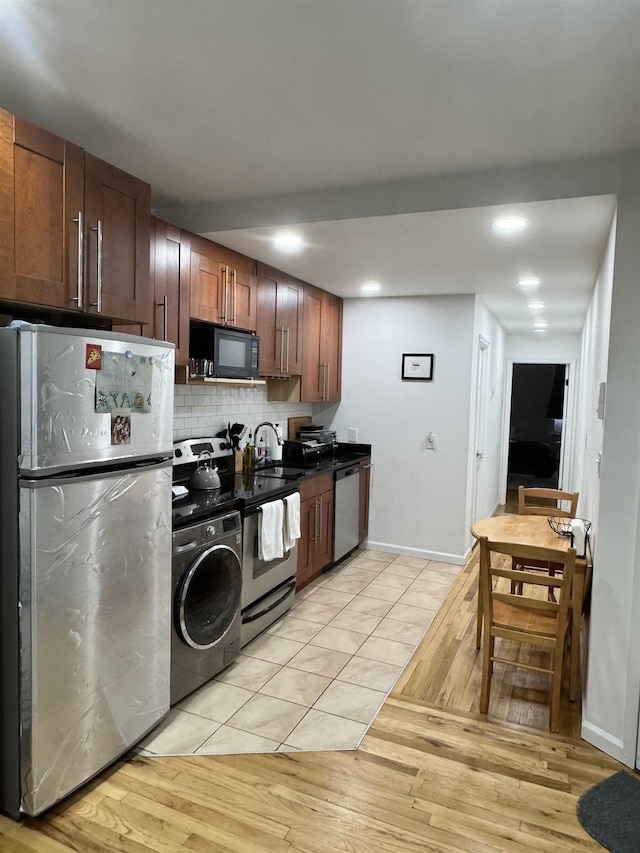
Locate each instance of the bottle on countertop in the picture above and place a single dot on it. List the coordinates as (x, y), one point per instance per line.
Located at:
(261, 451)
(276, 444)
(248, 458)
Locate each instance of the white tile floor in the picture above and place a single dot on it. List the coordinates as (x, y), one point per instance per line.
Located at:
(317, 677)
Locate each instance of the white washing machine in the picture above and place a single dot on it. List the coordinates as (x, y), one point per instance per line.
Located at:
(206, 591)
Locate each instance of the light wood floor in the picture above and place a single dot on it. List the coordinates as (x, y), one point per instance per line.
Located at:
(431, 775)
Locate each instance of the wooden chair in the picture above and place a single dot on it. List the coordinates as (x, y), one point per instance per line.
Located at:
(529, 504)
(525, 618)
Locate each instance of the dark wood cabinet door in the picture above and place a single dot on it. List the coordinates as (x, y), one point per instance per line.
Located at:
(290, 312)
(118, 213)
(171, 273)
(41, 194)
(365, 496)
(242, 310)
(280, 312)
(313, 371)
(324, 543)
(331, 334)
(266, 326)
(306, 570)
(206, 288)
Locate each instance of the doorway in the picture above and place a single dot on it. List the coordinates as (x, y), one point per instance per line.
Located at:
(536, 427)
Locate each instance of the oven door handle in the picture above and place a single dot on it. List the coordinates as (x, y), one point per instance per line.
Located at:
(271, 601)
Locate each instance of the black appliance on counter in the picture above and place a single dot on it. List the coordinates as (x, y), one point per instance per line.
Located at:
(311, 449)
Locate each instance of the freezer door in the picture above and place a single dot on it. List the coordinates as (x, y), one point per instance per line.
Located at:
(69, 408)
(95, 592)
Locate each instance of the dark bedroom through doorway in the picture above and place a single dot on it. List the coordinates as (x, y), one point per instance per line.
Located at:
(536, 425)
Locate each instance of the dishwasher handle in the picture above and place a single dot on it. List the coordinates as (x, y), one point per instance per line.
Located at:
(341, 473)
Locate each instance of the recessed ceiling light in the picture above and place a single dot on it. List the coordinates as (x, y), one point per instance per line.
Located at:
(535, 305)
(539, 331)
(528, 282)
(288, 241)
(540, 324)
(509, 223)
(370, 287)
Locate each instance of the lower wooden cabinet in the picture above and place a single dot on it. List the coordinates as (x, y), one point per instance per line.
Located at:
(366, 470)
(315, 546)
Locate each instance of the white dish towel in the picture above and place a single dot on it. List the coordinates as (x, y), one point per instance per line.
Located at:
(270, 528)
(291, 520)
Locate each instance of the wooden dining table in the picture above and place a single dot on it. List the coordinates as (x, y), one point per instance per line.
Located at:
(535, 530)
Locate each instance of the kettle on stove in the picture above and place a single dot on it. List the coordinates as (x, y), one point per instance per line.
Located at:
(205, 477)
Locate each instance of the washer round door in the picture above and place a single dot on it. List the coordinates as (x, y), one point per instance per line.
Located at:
(208, 597)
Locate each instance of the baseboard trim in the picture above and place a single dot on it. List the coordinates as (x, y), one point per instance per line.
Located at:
(419, 553)
(602, 740)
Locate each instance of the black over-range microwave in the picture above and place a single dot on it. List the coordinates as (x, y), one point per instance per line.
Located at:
(231, 353)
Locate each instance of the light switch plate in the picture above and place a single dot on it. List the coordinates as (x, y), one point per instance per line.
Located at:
(353, 434)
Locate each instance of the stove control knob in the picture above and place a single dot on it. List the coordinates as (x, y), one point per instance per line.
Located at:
(224, 445)
(211, 531)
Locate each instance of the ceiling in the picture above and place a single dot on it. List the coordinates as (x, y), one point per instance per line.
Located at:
(348, 118)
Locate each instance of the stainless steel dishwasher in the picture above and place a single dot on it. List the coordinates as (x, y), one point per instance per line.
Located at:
(347, 508)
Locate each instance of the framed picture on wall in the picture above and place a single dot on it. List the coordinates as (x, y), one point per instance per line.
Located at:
(417, 366)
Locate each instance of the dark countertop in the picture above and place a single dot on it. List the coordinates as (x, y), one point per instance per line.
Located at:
(242, 491)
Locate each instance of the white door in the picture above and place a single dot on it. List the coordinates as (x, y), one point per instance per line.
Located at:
(478, 508)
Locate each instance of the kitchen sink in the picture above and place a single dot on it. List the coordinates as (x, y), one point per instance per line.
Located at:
(284, 472)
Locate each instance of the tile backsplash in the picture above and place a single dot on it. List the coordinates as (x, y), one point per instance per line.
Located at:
(201, 410)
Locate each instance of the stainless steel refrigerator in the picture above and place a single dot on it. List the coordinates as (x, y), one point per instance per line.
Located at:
(86, 442)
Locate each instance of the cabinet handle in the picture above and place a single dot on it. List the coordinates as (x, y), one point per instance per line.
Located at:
(164, 306)
(223, 299)
(281, 349)
(325, 381)
(320, 522)
(98, 304)
(234, 274)
(287, 349)
(78, 298)
(328, 375)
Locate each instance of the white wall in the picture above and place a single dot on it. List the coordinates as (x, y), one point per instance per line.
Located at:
(589, 430)
(543, 349)
(489, 329)
(202, 410)
(419, 496)
(610, 711)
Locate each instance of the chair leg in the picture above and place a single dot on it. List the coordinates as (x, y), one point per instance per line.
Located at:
(479, 620)
(487, 672)
(556, 685)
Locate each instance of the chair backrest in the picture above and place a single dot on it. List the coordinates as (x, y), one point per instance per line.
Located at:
(529, 502)
(535, 588)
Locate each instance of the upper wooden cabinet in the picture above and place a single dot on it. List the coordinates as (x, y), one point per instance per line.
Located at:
(74, 230)
(118, 233)
(224, 285)
(322, 347)
(280, 311)
(171, 274)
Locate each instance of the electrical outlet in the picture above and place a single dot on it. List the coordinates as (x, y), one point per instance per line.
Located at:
(353, 434)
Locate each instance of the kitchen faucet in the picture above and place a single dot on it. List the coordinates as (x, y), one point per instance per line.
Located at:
(269, 424)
